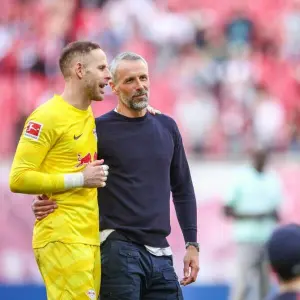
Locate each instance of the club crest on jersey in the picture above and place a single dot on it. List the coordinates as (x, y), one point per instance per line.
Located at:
(91, 294)
(84, 160)
(33, 130)
(95, 134)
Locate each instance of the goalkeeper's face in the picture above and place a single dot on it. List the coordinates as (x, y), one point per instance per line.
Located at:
(96, 74)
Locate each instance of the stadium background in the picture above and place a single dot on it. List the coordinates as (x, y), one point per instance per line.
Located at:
(228, 72)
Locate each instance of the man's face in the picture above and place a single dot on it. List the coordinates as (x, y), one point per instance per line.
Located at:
(96, 74)
(260, 158)
(132, 84)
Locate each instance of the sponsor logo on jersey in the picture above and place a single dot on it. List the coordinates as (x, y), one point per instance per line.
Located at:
(91, 294)
(33, 130)
(84, 160)
(76, 137)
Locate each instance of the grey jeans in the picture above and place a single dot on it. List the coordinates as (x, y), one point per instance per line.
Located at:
(252, 276)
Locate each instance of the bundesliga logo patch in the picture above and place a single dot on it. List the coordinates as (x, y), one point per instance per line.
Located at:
(91, 294)
(33, 130)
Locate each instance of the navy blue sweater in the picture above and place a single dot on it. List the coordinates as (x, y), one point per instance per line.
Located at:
(146, 162)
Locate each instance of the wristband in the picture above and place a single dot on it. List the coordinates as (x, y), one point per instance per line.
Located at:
(74, 180)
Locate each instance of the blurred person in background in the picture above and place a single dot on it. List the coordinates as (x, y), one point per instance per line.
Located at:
(295, 130)
(239, 29)
(290, 32)
(283, 250)
(253, 207)
(268, 119)
(197, 113)
(136, 258)
(238, 76)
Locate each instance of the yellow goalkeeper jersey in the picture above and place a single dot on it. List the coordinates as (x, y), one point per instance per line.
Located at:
(58, 139)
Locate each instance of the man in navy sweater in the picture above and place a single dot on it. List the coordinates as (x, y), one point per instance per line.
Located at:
(147, 161)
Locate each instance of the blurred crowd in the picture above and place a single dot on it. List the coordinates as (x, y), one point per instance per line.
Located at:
(228, 71)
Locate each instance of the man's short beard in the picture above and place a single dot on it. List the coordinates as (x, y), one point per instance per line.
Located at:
(135, 105)
(138, 106)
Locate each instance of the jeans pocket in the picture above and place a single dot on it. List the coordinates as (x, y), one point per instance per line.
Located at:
(132, 258)
(118, 257)
(170, 275)
(172, 285)
(117, 292)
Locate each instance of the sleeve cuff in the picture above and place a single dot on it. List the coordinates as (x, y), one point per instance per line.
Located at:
(190, 235)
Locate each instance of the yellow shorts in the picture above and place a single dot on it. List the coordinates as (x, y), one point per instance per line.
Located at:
(70, 271)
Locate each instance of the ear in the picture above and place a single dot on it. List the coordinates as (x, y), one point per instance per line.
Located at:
(113, 87)
(79, 70)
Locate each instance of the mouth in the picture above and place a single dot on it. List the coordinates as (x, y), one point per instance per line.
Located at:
(140, 96)
(102, 86)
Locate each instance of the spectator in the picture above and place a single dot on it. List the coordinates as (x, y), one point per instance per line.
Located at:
(197, 124)
(284, 254)
(239, 30)
(290, 32)
(268, 119)
(253, 205)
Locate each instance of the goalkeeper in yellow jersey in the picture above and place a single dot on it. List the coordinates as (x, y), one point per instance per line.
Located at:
(57, 156)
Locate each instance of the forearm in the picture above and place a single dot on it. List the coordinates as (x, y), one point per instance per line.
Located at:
(183, 191)
(230, 212)
(186, 211)
(34, 182)
(250, 216)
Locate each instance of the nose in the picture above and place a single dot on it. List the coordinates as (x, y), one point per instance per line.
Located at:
(139, 85)
(108, 75)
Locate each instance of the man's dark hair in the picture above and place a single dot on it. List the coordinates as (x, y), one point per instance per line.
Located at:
(73, 49)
